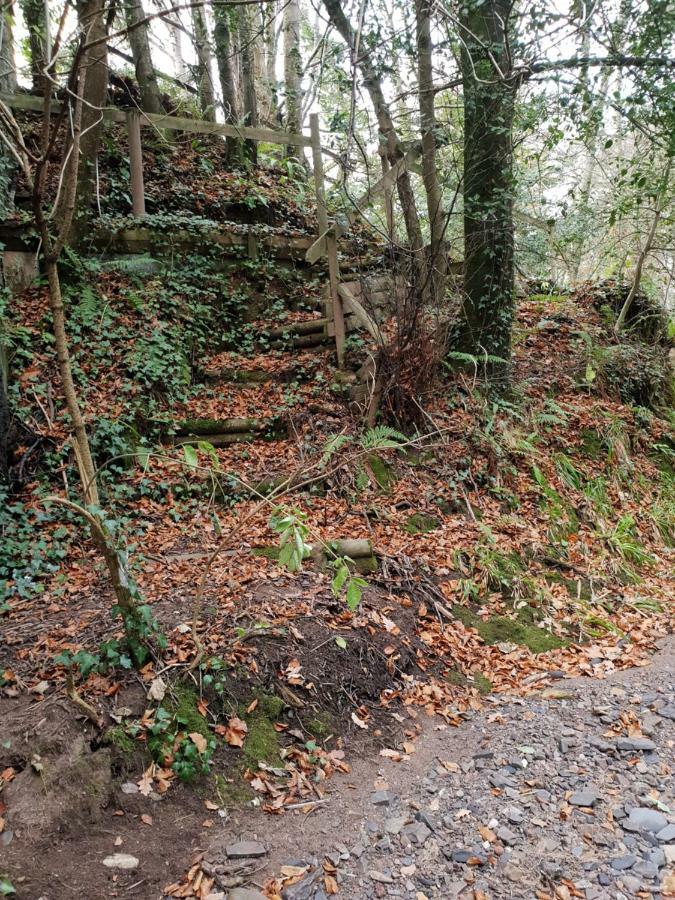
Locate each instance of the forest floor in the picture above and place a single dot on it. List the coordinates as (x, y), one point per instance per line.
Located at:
(516, 542)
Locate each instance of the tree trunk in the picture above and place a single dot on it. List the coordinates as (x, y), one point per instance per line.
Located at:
(140, 49)
(646, 250)
(94, 72)
(34, 19)
(270, 43)
(222, 37)
(207, 97)
(488, 301)
(7, 86)
(438, 260)
(248, 81)
(292, 71)
(373, 85)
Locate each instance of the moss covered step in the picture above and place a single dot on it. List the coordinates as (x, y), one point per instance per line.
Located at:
(309, 333)
(228, 431)
(247, 377)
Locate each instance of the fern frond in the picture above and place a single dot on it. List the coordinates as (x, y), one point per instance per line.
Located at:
(382, 437)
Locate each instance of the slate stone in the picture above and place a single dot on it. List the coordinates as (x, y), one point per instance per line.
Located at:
(666, 835)
(121, 861)
(623, 862)
(380, 877)
(588, 797)
(506, 836)
(417, 832)
(461, 856)
(514, 815)
(245, 850)
(383, 798)
(647, 869)
(635, 743)
(245, 894)
(395, 824)
(641, 818)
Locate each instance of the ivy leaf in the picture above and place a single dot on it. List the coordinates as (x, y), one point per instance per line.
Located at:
(190, 454)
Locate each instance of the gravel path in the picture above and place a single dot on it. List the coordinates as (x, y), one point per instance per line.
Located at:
(567, 793)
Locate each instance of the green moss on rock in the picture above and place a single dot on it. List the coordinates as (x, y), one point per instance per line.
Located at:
(382, 471)
(498, 629)
(420, 523)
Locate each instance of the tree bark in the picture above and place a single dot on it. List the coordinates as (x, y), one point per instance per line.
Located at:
(34, 18)
(438, 259)
(292, 71)
(646, 250)
(488, 301)
(207, 97)
(222, 36)
(250, 100)
(7, 86)
(93, 88)
(373, 85)
(140, 50)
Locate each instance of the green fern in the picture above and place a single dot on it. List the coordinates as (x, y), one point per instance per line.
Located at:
(334, 443)
(382, 437)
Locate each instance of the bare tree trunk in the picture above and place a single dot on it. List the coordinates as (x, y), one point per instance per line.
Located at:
(140, 50)
(207, 97)
(373, 85)
(7, 86)
(263, 94)
(488, 301)
(292, 71)
(222, 37)
(438, 260)
(270, 43)
(646, 250)
(248, 81)
(34, 18)
(93, 74)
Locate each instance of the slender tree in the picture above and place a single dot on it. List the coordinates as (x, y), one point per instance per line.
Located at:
(222, 36)
(489, 92)
(438, 260)
(146, 76)
(36, 25)
(250, 100)
(292, 70)
(202, 44)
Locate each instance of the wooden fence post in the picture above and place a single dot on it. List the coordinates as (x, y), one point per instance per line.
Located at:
(331, 240)
(136, 163)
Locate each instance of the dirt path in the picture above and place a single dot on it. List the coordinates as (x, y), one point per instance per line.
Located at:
(566, 793)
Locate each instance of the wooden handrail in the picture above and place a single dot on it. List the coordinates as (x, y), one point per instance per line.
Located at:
(31, 103)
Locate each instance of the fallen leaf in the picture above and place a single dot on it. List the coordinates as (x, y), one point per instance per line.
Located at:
(235, 732)
(157, 689)
(146, 819)
(330, 884)
(359, 722)
(198, 740)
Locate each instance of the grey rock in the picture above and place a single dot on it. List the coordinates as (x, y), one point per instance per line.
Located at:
(427, 818)
(380, 877)
(623, 862)
(395, 824)
(666, 835)
(641, 818)
(514, 815)
(667, 712)
(461, 856)
(635, 744)
(245, 894)
(657, 856)
(417, 832)
(245, 850)
(383, 798)
(121, 861)
(647, 869)
(589, 797)
(604, 879)
(506, 836)
(631, 883)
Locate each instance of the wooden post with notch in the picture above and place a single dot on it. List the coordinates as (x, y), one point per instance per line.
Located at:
(136, 163)
(337, 314)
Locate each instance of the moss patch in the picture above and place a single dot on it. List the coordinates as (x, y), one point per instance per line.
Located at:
(267, 552)
(420, 523)
(321, 726)
(185, 711)
(483, 684)
(262, 741)
(501, 628)
(454, 676)
(382, 471)
(118, 738)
